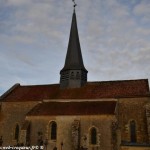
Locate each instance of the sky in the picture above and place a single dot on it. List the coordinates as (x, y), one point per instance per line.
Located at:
(114, 37)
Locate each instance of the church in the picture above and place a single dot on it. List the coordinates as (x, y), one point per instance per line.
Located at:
(77, 114)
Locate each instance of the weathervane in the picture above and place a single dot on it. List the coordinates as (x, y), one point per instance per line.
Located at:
(74, 3)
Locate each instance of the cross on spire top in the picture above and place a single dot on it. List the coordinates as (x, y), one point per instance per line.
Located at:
(74, 3)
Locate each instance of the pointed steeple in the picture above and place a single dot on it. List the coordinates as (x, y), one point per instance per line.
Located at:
(73, 74)
(74, 56)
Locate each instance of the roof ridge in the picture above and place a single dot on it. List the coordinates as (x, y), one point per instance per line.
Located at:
(117, 80)
(39, 85)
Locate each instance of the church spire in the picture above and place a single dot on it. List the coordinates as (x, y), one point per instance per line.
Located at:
(73, 74)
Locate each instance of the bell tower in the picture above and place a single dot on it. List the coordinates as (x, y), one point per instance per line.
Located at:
(73, 74)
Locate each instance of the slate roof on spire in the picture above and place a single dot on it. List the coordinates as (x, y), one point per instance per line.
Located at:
(74, 56)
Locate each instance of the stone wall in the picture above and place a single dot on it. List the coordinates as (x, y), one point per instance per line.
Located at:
(148, 119)
(133, 109)
(64, 131)
(13, 113)
(128, 109)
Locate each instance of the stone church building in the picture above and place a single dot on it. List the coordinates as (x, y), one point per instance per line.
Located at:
(77, 114)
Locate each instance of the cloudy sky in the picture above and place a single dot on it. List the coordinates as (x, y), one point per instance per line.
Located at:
(114, 37)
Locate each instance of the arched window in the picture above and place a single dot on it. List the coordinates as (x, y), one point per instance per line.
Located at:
(133, 131)
(16, 133)
(93, 136)
(53, 130)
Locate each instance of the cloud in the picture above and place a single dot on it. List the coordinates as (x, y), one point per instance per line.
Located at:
(142, 10)
(17, 2)
(114, 38)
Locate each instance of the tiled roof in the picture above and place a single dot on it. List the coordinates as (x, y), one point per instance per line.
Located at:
(73, 108)
(92, 90)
